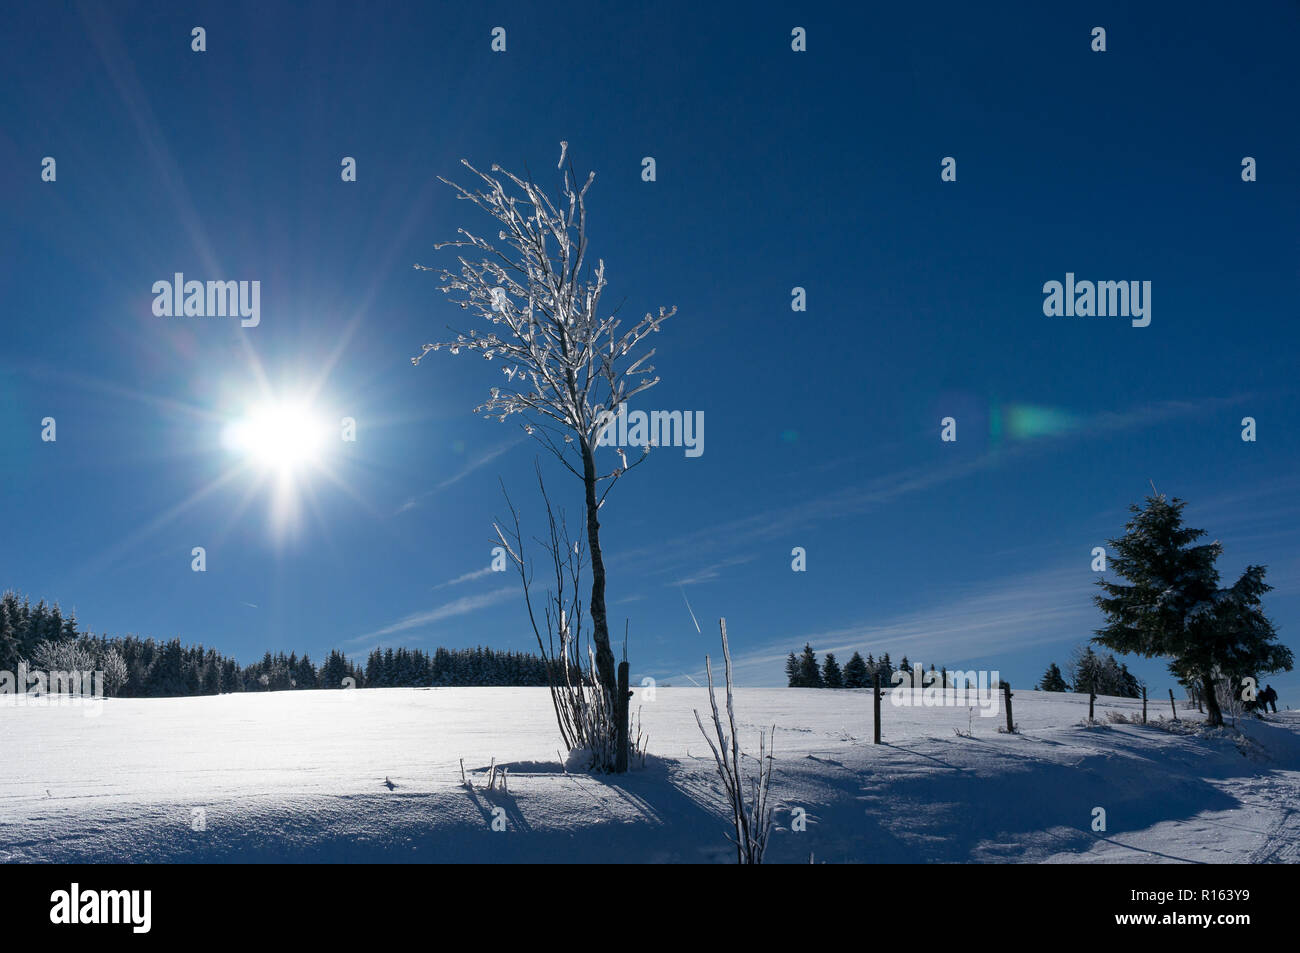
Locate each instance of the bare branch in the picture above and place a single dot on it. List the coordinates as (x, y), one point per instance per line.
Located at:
(561, 360)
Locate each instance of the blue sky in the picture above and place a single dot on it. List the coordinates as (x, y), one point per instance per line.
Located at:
(775, 169)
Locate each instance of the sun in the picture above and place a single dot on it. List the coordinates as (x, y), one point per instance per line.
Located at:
(284, 445)
(284, 437)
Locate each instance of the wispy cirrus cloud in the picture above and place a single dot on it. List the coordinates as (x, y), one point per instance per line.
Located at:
(1037, 608)
(752, 530)
(477, 463)
(712, 571)
(459, 607)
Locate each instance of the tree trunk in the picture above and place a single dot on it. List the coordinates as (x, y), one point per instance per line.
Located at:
(1211, 700)
(599, 621)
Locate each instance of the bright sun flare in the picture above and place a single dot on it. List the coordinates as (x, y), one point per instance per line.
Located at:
(284, 437)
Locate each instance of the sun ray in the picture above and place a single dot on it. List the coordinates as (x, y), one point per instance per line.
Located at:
(116, 551)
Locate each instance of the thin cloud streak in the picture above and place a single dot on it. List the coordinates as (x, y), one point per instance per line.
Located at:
(1037, 608)
(462, 606)
(476, 574)
(754, 529)
(475, 464)
(709, 573)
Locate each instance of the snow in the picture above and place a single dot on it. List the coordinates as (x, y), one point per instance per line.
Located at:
(300, 776)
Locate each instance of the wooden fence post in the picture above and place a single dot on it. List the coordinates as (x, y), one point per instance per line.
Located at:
(1006, 694)
(875, 694)
(1092, 698)
(620, 714)
(1172, 705)
(1144, 704)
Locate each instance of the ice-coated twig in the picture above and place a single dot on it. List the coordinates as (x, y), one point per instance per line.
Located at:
(753, 825)
(564, 363)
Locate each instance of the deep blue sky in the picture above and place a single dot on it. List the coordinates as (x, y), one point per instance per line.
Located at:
(775, 169)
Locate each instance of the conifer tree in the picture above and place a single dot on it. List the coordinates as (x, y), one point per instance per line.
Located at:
(855, 672)
(1130, 685)
(1174, 607)
(1052, 680)
(810, 675)
(832, 677)
(1085, 671)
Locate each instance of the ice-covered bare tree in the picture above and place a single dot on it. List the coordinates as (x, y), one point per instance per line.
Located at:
(565, 364)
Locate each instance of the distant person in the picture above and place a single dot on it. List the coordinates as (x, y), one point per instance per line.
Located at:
(1269, 697)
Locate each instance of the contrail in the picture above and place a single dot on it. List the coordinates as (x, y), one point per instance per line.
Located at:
(690, 610)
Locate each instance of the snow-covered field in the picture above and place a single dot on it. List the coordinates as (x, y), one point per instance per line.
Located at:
(305, 776)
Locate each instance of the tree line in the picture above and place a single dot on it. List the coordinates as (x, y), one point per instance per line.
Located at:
(46, 639)
(476, 666)
(803, 671)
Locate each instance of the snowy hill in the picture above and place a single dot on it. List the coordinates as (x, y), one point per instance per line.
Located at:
(375, 775)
